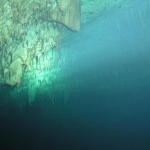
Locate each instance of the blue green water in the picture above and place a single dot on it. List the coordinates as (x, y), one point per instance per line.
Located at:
(109, 109)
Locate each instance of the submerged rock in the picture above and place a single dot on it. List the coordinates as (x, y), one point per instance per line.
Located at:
(28, 30)
(68, 13)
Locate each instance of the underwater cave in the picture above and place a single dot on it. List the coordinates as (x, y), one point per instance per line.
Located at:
(74, 74)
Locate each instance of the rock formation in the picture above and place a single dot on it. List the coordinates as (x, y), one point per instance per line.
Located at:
(28, 30)
(68, 13)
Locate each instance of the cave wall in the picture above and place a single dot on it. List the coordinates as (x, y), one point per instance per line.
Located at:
(28, 30)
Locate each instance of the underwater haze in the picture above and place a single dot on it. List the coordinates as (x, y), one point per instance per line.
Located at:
(109, 108)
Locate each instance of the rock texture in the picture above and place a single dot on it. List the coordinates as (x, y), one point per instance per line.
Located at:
(68, 13)
(28, 30)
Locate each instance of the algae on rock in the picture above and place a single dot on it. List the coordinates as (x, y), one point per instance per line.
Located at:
(28, 30)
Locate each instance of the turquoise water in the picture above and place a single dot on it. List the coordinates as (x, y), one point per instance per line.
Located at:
(109, 106)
